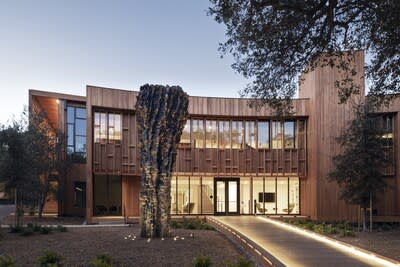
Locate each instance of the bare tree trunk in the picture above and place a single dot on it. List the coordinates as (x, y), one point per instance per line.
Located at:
(365, 219)
(161, 115)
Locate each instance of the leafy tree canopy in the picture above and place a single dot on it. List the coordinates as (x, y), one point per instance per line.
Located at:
(273, 41)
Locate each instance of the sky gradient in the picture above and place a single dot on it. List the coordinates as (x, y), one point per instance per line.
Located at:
(62, 46)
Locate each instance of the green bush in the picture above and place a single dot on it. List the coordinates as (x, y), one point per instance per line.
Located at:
(191, 224)
(202, 261)
(175, 224)
(7, 261)
(242, 262)
(319, 228)
(50, 259)
(101, 260)
(36, 227)
(45, 230)
(330, 229)
(27, 232)
(61, 228)
(16, 228)
(347, 233)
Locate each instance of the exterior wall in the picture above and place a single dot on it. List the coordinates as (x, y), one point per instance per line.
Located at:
(318, 105)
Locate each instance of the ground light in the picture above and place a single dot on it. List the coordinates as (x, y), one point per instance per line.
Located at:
(331, 242)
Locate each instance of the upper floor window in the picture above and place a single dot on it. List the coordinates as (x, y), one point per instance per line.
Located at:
(276, 134)
(107, 127)
(76, 133)
(197, 133)
(289, 129)
(387, 128)
(237, 134)
(263, 134)
(211, 134)
(185, 137)
(250, 134)
(224, 134)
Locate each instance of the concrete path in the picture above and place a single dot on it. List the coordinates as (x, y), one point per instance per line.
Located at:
(292, 248)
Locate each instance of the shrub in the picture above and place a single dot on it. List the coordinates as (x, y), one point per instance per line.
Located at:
(386, 227)
(45, 230)
(16, 229)
(318, 228)
(50, 259)
(101, 260)
(330, 229)
(61, 228)
(36, 227)
(27, 232)
(202, 261)
(347, 233)
(191, 224)
(242, 262)
(175, 224)
(6, 261)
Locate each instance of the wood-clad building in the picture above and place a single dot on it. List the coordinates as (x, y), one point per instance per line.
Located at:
(232, 159)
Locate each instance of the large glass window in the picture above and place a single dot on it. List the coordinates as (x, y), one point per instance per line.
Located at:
(387, 128)
(224, 135)
(294, 195)
(263, 134)
(197, 133)
(258, 195)
(107, 127)
(250, 136)
(245, 199)
(185, 137)
(301, 134)
(76, 133)
(80, 194)
(174, 204)
(282, 195)
(211, 134)
(107, 195)
(184, 205)
(289, 128)
(195, 195)
(237, 134)
(276, 135)
(270, 196)
(207, 200)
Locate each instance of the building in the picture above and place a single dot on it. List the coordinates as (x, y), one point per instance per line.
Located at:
(231, 160)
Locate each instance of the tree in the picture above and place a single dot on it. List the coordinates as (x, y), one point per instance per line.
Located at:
(15, 165)
(359, 170)
(161, 115)
(273, 41)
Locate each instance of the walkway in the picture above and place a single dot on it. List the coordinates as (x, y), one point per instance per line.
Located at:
(292, 248)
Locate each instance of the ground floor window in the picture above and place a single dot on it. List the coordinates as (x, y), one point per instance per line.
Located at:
(107, 194)
(80, 194)
(255, 195)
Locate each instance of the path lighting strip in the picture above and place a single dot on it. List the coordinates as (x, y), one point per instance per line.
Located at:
(333, 243)
(241, 239)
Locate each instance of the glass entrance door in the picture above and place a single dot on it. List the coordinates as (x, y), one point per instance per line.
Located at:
(226, 192)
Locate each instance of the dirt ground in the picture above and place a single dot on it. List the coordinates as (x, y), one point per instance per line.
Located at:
(45, 220)
(385, 243)
(79, 245)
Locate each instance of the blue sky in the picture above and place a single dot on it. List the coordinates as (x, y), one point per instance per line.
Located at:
(62, 46)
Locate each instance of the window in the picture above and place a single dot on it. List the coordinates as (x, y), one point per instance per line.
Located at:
(276, 135)
(263, 134)
(107, 127)
(237, 134)
(211, 134)
(224, 135)
(387, 127)
(107, 195)
(197, 133)
(80, 194)
(289, 128)
(301, 134)
(185, 137)
(76, 133)
(250, 135)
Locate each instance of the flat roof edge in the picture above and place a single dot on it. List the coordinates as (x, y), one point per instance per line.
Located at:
(34, 92)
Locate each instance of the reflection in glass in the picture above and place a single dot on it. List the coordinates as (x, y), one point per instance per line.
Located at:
(174, 207)
(263, 134)
(107, 195)
(294, 195)
(197, 134)
(289, 133)
(258, 195)
(250, 136)
(195, 195)
(70, 114)
(211, 134)
(207, 195)
(81, 113)
(237, 134)
(245, 199)
(224, 135)
(183, 195)
(282, 195)
(220, 196)
(185, 137)
(276, 135)
(80, 127)
(270, 196)
(232, 196)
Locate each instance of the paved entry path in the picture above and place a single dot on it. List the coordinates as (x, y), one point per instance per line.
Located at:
(291, 248)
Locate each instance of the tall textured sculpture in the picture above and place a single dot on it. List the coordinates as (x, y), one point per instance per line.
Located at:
(161, 116)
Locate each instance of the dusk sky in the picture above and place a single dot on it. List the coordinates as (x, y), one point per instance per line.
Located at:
(62, 46)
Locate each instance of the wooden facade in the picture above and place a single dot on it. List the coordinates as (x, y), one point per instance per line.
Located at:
(317, 106)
